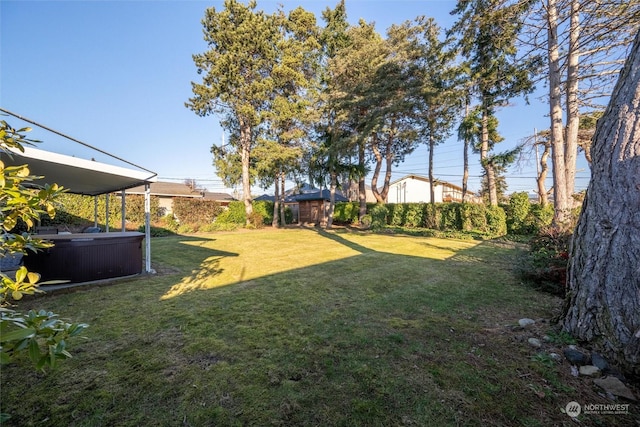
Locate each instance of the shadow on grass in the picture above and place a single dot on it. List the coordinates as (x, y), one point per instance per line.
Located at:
(202, 262)
(366, 338)
(339, 239)
(381, 269)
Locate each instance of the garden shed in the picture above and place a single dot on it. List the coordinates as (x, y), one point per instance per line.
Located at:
(313, 207)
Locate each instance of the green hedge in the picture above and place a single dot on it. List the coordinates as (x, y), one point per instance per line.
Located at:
(526, 218)
(262, 214)
(346, 212)
(191, 211)
(79, 210)
(443, 216)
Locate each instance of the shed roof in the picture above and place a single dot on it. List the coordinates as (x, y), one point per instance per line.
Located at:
(79, 176)
(320, 195)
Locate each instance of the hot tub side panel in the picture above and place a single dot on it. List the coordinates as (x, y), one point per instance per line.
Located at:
(85, 259)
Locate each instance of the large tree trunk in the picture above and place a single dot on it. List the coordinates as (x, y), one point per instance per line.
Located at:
(562, 209)
(381, 195)
(332, 198)
(283, 217)
(572, 104)
(245, 147)
(488, 166)
(465, 156)
(376, 171)
(432, 192)
(362, 188)
(276, 202)
(543, 197)
(603, 301)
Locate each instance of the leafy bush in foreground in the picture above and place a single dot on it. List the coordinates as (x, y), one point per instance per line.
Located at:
(547, 261)
(39, 335)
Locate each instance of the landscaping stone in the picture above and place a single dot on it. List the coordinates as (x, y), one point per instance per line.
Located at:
(614, 386)
(575, 357)
(555, 356)
(525, 322)
(589, 371)
(599, 361)
(574, 371)
(535, 342)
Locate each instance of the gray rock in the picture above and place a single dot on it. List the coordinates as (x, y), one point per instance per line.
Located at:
(555, 356)
(574, 371)
(599, 361)
(526, 322)
(535, 342)
(614, 386)
(575, 357)
(589, 371)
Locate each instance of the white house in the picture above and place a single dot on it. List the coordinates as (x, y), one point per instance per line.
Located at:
(415, 189)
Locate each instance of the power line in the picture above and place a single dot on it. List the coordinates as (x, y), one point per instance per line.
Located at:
(75, 140)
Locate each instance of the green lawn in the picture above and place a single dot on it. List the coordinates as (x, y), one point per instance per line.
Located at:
(302, 327)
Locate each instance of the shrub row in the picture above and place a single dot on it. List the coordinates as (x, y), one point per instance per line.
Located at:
(262, 214)
(526, 218)
(439, 216)
(196, 211)
(189, 215)
(519, 217)
(79, 210)
(448, 216)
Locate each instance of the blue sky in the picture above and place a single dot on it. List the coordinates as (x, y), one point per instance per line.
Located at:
(116, 75)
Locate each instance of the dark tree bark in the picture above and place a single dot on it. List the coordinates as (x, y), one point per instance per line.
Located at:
(603, 301)
(276, 202)
(362, 188)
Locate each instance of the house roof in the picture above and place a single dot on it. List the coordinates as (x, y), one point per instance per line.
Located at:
(167, 189)
(77, 175)
(218, 197)
(265, 197)
(176, 189)
(425, 179)
(320, 195)
(268, 198)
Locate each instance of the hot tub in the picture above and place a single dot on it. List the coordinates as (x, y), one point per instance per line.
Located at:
(87, 257)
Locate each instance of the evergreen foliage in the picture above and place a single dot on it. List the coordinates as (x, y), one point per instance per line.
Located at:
(195, 211)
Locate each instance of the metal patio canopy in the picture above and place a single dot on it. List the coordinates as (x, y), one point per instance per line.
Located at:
(79, 176)
(86, 177)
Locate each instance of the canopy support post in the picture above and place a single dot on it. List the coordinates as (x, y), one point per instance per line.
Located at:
(147, 226)
(123, 211)
(95, 211)
(106, 212)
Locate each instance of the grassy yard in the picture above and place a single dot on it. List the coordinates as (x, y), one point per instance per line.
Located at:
(302, 327)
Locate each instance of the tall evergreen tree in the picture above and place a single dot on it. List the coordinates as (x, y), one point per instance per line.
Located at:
(488, 31)
(331, 146)
(237, 81)
(438, 98)
(290, 114)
